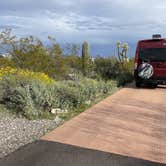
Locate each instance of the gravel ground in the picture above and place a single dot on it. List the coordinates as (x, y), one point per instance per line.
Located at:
(16, 132)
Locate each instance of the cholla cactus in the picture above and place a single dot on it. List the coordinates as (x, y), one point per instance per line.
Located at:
(118, 44)
(125, 48)
(118, 47)
(122, 51)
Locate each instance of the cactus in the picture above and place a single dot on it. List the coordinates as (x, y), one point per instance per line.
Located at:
(85, 58)
(122, 51)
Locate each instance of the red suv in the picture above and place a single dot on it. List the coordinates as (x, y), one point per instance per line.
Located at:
(150, 61)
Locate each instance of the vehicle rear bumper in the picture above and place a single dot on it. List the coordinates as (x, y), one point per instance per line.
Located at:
(153, 80)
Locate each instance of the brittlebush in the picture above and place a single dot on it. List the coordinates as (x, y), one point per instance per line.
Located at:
(25, 74)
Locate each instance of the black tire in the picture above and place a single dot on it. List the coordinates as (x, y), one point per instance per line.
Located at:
(154, 86)
(138, 84)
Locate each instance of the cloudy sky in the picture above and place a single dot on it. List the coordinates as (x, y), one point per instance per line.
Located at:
(100, 22)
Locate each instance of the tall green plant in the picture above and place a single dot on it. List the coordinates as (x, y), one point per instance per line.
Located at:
(85, 58)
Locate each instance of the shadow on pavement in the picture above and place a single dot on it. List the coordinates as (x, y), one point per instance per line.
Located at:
(132, 86)
(45, 153)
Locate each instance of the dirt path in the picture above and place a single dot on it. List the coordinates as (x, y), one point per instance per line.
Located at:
(131, 122)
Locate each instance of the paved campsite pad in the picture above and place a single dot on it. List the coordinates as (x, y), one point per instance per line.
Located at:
(132, 122)
(44, 153)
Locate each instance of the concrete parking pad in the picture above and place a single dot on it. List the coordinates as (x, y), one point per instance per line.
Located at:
(132, 122)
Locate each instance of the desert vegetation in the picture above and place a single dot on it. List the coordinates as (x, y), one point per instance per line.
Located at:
(41, 81)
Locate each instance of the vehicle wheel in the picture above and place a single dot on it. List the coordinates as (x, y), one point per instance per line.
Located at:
(138, 84)
(154, 85)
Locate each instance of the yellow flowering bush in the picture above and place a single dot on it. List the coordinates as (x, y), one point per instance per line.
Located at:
(25, 74)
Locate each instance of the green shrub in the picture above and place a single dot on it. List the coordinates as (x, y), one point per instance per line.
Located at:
(87, 89)
(111, 68)
(31, 99)
(34, 98)
(125, 73)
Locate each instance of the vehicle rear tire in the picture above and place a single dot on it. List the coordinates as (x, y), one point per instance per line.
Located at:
(154, 85)
(138, 84)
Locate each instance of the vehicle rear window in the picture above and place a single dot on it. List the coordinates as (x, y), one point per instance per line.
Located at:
(153, 54)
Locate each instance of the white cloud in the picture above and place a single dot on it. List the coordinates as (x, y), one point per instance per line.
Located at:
(96, 21)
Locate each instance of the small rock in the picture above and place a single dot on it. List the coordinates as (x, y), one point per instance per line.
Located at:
(53, 111)
(87, 102)
(58, 111)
